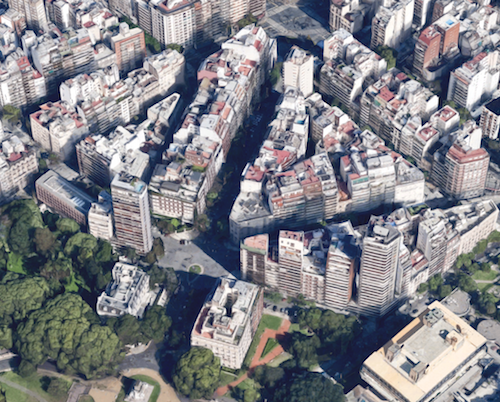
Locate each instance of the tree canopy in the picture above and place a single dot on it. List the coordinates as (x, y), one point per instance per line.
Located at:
(309, 387)
(197, 373)
(66, 330)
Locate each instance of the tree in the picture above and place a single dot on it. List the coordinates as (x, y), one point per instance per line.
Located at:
(247, 20)
(480, 247)
(66, 330)
(150, 258)
(487, 303)
(175, 46)
(6, 337)
(19, 237)
(466, 283)
(435, 282)
(26, 369)
(197, 373)
(268, 376)
(3, 398)
(58, 387)
(389, 54)
(128, 329)
(44, 240)
(423, 287)
(57, 269)
(304, 349)
(19, 296)
(444, 291)
(11, 113)
(158, 248)
(156, 323)
(66, 225)
(78, 241)
(309, 387)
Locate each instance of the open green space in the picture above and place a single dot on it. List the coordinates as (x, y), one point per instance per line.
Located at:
(485, 276)
(283, 357)
(34, 384)
(86, 398)
(149, 380)
(267, 321)
(484, 287)
(226, 378)
(270, 345)
(195, 269)
(296, 328)
(14, 395)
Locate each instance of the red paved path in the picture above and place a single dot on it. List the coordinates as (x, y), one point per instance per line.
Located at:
(257, 361)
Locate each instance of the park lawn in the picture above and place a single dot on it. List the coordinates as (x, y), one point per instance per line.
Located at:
(86, 398)
(34, 384)
(14, 395)
(485, 276)
(484, 287)
(270, 345)
(296, 328)
(267, 321)
(149, 380)
(195, 269)
(283, 357)
(226, 378)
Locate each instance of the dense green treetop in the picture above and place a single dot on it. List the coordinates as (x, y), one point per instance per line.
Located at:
(67, 330)
(197, 373)
(309, 387)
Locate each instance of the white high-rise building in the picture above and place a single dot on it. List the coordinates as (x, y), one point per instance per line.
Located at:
(131, 213)
(378, 268)
(298, 71)
(173, 21)
(391, 26)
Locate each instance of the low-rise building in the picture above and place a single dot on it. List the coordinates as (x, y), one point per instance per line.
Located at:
(101, 217)
(228, 321)
(127, 293)
(62, 197)
(425, 358)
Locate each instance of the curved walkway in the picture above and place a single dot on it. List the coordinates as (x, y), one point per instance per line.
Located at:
(23, 389)
(257, 361)
(167, 393)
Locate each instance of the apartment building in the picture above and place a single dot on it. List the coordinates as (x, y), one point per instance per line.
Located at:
(371, 269)
(348, 64)
(20, 84)
(193, 159)
(130, 48)
(490, 119)
(59, 56)
(100, 217)
(475, 81)
(62, 197)
(298, 71)
(101, 158)
(460, 165)
(168, 67)
(18, 165)
(391, 25)
(422, 11)
(127, 293)
(33, 11)
(173, 21)
(437, 48)
(131, 213)
(393, 102)
(57, 127)
(347, 14)
(378, 268)
(228, 321)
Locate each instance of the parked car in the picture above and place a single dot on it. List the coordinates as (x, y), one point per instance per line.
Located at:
(275, 308)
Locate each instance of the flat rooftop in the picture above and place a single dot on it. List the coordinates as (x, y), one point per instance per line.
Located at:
(434, 345)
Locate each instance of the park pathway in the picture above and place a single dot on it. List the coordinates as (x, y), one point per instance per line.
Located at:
(257, 361)
(23, 389)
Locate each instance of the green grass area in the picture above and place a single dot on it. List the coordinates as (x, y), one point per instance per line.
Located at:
(270, 345)
(485, 276)
(86, 398)
(149, 380)
(14, 395)
(15, 264)
(267, 321)
(271, 322)
(195, 269)
(280, 359)
(226, 378)
(296, 328)
(34, 384)
(484, 287)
